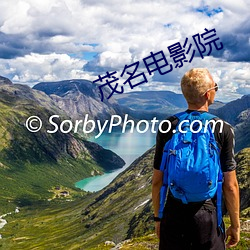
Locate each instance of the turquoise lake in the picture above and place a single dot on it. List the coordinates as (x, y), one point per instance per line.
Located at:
(129, 146)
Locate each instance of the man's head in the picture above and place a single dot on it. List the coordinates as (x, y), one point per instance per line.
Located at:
(197, 86)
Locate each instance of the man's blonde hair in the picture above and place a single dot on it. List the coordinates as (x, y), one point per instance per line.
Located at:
(195, 83)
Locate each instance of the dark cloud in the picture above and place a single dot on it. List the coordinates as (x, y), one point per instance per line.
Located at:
(12, 46)
(92, 66)
(236, 48)
(236, 44)
(45, 33)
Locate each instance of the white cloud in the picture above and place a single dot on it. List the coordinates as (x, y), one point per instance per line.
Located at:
(124, 31)
(34, 68)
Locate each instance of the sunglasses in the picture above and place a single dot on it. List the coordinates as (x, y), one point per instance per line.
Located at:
(216, 87)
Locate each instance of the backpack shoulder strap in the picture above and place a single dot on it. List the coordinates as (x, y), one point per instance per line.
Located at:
(182, 115)
(208, 116)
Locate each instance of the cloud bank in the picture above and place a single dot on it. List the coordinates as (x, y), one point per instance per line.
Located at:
(64, 39)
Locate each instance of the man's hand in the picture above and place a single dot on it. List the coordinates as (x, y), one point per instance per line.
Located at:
(232, 236)
(157, 228)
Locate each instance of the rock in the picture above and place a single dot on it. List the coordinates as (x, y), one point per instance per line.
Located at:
(109, 243)
(4, 80)
(80, 97)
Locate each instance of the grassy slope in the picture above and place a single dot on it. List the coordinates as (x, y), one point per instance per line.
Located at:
(150, 242)
(56, 225)
(243, 176)
(60, 225)
(27, 168)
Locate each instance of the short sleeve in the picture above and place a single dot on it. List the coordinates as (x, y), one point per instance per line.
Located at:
(161, 140)
(226, 141)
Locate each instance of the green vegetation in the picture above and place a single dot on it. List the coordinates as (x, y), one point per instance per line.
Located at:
(244, 235)
(243, 175)
(84, 222)
(38, 172)
(148, 242)
(57, 225)
(32, 183)
(32, 163)
(113, 214)
(49, 225)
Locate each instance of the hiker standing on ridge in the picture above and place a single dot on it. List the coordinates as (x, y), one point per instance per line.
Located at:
(189, 166)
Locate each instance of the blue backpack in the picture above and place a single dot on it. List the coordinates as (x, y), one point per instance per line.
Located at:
(191, 162)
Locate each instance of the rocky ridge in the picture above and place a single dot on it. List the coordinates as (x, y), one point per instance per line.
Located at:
(80, 97)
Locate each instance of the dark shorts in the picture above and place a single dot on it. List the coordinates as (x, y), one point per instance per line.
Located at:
(191, 226)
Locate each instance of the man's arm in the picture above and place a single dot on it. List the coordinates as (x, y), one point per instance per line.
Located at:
(156, 187)
(232, 200)
(157, 178)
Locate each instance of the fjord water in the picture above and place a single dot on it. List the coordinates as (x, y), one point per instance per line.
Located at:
(128, 146)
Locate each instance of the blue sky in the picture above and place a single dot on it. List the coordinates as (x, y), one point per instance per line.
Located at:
(65, 39)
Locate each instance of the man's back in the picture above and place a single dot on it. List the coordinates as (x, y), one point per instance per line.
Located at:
(194, 225)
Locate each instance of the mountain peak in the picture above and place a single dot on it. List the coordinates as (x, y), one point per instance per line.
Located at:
(4, 80)
(62, 88)
(78, 97)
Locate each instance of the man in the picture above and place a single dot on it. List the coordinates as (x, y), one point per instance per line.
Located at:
(194, 225)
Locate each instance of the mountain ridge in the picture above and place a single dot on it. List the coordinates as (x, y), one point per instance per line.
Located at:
(4, 80)
(80, 97)
(58, 159)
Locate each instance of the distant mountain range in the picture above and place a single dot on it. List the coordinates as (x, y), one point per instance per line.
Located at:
(237, 114)
(160, 104)
(231, 111)
(151, 104)
(80, 97)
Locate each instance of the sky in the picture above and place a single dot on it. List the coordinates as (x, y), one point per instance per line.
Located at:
(54, 40)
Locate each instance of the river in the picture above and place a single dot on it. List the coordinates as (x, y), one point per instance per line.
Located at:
(128, 146)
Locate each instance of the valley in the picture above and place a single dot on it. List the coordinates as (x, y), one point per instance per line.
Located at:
(38, 171)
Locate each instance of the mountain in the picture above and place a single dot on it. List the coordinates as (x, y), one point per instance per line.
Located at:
(4, 80)
(242, 130)
(158, 104)
(243, 175)
(143, 100)
(149, 104)
(124, 208)
(80, 97)
(216, 105)
(237, 114)
(232, 110)
(32, 163)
